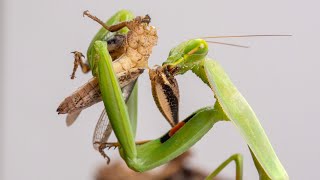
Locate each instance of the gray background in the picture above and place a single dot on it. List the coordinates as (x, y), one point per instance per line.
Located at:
(278, 76)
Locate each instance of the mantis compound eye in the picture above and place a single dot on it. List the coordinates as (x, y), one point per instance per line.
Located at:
(196, 47)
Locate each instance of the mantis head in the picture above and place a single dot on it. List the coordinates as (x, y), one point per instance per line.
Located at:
(186, 55)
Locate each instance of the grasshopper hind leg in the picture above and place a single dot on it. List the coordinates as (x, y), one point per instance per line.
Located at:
(165, 92)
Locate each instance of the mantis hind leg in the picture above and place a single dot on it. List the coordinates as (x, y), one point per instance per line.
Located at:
(238, 159)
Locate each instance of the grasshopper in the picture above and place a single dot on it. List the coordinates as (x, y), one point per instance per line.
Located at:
(130, 52)
(191, 55)
(134, 50)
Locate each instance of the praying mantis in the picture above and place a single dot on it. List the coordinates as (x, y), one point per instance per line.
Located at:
(118, 54)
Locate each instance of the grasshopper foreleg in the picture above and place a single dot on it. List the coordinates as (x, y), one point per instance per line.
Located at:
(78, 61)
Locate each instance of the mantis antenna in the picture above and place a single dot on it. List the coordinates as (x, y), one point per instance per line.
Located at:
(239, 36)
(228, 44)
(245, 36)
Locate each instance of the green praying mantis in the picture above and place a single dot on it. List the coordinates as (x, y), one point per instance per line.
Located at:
(118, 54)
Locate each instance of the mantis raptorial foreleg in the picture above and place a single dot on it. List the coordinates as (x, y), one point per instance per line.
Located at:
(103, 128)
(166, 94)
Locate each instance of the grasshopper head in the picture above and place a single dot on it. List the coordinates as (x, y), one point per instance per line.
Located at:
(186, 55)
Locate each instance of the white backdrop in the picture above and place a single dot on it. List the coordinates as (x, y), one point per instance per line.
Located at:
(278, 76)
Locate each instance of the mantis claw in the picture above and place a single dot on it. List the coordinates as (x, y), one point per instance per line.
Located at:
(103, 154)
(108, 159)
(102, 146)
(112, 145)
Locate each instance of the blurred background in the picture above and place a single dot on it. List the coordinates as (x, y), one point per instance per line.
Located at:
(279, 76)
